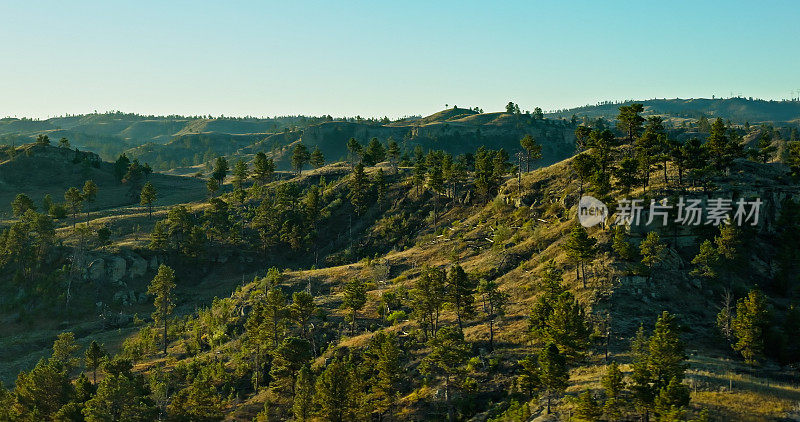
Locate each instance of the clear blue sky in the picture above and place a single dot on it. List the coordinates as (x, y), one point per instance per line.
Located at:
(385, 58)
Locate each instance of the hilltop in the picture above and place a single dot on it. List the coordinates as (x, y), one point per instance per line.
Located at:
(738, 110)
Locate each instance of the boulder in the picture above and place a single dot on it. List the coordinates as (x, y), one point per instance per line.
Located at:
(138, 267)
(153, 264)
(116, 267)
(96, 270)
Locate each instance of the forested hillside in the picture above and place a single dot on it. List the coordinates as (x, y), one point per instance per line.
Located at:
(426, 269)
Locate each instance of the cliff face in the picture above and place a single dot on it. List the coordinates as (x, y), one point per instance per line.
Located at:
(454, 136)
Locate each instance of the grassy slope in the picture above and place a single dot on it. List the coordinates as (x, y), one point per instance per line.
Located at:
(474, 235)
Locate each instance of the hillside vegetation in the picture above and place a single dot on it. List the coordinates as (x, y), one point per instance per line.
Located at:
(426, 272)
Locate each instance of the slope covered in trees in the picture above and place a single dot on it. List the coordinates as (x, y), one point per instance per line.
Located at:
(458, 286)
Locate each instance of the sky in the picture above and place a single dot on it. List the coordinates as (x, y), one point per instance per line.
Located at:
(385, 58)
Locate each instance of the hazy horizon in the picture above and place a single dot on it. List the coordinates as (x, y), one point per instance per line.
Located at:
(268, 59)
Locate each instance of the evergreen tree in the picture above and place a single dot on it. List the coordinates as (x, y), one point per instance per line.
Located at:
(621, 245)
(552, 372)
(493, 302)
(121, 167)
(334, 393)
(653, 251)
(354, 151)
(671, 401)
(528, 381)
(586, 408)
(64, 349)
(355, 297)
(358, 189)
(375, 152)
(393, 154)
(427, 300)
(380, 185)
(317, 159)
(94, 357)
(40, 393)
(21, 204)
(42, 140)
(630, 120)
(74, 200)
(302, 405)
(263, 168)
(240, 172)
(212, 185)
(446, 359)
(706, 261)
(749, 326)
(89, 195)
(220, 170)
(148, 195)
(580, 249)
(162, 288)
(300, 157)
(533, 150)
(389, 372)
(613, 385)
(460, 289)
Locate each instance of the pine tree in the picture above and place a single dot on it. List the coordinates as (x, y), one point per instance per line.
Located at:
(580, 248)
(94, 356)
(64, 349)
(671, 401)
(333, 392)
(220, 170)
(375, 152)
(586, 408)
(147, 197)
(389, 374)
(263, 168)
(493, 302)
(358, 189)
(240, 172)
(749, 326)
(552, 372)
(630, 121)
(317, 158)
(300, 157)
(460, 289)
(653, 251)
(533, 150)
(23, 203)
(380, 185)
(706, 261)
(162, 288)
(528, 381)
(621, 245)
(355, 297)
(666, 356)
(427, 300)
(74, 200)
(393, 154)
(446, 359)
(613, 385)
(354, 151)
(302, 405)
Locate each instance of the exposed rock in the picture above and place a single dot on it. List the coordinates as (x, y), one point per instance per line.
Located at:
(96, 270)
(116, 269)
(153, 264)
(138, 267)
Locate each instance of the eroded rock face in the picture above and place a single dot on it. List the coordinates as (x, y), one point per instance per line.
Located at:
(96, 270)
(116, 268)
(137, 267)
